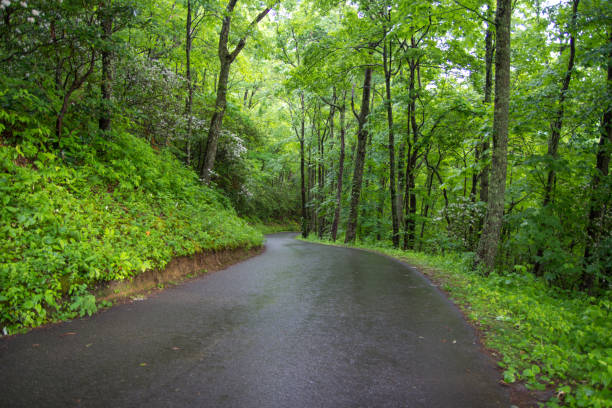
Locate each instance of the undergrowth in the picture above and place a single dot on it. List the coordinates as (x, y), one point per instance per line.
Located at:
(74, 217)
(546, 337)
(271, 227)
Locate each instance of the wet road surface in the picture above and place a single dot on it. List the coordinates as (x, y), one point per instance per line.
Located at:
(302, 325)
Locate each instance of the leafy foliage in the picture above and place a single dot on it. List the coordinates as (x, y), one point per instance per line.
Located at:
(111, 214)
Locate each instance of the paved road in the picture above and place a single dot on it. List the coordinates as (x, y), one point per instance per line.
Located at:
(302, 325)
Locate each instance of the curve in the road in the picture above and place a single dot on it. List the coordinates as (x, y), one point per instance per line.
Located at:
(302, 325)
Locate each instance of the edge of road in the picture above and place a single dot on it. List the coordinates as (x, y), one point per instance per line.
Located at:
(520, 396)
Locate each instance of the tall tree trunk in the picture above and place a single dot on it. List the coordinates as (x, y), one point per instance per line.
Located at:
(362, 137)
(488, 87)
(600, 194)
(226, 58)
(302, 169)
(320, 180)
(412, 129)
(106, 84)
(425, 212)
(556, 125)
(189, 102)
(387, 61)
(489, 240)
(215, 123)
(334, 231)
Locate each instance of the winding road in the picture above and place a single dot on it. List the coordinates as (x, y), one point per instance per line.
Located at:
(302, 325)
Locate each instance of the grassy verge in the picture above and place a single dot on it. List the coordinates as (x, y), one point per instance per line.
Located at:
(272, 227)
(96, 213)
(545, 337)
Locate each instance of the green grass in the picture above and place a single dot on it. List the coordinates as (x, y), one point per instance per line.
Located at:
(273, 227)
(546, 337)
(97, 213)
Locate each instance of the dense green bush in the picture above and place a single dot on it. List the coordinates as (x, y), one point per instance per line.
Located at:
(73, 217)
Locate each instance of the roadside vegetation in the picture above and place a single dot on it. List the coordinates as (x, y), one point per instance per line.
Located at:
(272, 227)
(546, 337)
(106, 211)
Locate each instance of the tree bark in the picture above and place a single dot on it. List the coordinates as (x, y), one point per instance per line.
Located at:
(226, 59)
(189, 102)
(387, 61)
(555, 127)
(412, 129)
(489, 240)
(104, 122)
(334, 231)
(484, 175)
(362, 137)
(600, 194)
(302, 170)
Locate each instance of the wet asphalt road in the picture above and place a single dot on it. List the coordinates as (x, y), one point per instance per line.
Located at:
(302, 325)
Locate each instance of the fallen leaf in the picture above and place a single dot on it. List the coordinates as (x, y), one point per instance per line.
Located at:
(69, 334)
(176, 348)
(143, 364)
(36, 345)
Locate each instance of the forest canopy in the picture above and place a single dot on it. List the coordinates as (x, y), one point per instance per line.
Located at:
(269, 103)
(447, 126)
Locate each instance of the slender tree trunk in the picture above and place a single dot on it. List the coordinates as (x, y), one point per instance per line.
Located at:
(557, 123)
(387, 60)
(302, 166)
(362, 137)
(215, 124)
(555, 128)
(429, 184)
(488, 87)
(334, 230)
(489, 240)
(226, 58)
(320, 183)
(412, 129)
(303, 191)
(189, 102)
(106, 84)
(600, 192)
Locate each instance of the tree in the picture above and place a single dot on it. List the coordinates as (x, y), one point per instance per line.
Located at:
(600, 191)
(226, 58)
(489, 240)
(557, 123)
(362, 137)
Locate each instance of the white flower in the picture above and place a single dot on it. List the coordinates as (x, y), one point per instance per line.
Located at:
(35, 13)
(6, 3)
(24, 4)
(30, 19)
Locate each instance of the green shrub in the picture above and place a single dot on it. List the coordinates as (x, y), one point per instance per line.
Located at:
(97, 212)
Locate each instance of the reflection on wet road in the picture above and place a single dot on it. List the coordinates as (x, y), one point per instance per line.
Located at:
(302, 325)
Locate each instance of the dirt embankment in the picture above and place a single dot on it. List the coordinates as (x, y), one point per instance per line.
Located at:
(178, 270)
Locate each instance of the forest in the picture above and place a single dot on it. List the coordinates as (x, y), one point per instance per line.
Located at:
(473, 132)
